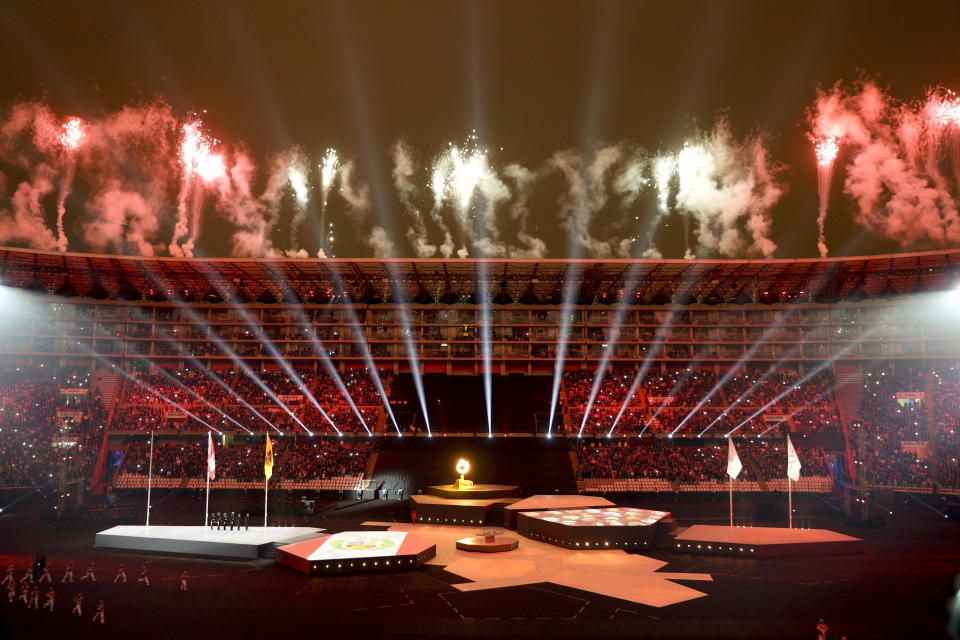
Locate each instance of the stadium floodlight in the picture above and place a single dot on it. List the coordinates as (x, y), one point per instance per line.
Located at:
(563, 338)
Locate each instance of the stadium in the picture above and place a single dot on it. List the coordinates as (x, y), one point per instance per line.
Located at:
(372, 378)
(479, 320)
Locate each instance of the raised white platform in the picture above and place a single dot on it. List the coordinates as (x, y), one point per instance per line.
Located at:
(763, 541)
(201, 541)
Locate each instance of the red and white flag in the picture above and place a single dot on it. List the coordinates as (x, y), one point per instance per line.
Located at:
(733, 461)
(211, 459)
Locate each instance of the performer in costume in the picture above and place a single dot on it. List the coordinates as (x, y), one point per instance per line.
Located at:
(9, 577)
(143, 576)
(121, 574)
(45, 575)
(68, 574)
(11, 591)
(89, 574)
(48, 600)
(27, 577)
(24, 593)
(183, 581)
(99, 613)
(34, 597)
(78, 604)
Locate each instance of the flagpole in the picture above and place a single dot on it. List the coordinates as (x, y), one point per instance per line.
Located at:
(790, 502)
(731, 501)
(206, 511)
(149, 477)
(266, 488)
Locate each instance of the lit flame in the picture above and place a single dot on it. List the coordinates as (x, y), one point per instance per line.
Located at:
(72, 134)
(197, 156)
(462, 466)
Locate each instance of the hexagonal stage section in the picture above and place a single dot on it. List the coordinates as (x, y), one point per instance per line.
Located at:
(595, 528)
(358, 552)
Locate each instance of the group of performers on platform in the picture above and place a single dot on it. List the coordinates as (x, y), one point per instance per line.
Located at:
(30, 584)
(222, 520)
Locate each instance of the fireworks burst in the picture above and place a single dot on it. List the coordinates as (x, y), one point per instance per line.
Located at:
(298, 182)
(458, 173)
(72, 134)
(328, 172)
(826, 150)
(197, 156)
(943, 110)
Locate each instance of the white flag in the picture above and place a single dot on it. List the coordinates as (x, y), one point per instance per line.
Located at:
(733, 461)
(793, 462)
(211, 459)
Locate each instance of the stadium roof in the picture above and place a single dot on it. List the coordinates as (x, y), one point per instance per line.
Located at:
(370, 280)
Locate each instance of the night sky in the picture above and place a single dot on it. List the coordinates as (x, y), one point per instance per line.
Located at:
(530, 77)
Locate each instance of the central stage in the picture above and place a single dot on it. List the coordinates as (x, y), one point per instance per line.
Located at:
(201, 541)
(763, 541)
(437, 510)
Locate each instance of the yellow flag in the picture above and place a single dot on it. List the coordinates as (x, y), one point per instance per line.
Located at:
(268, 460)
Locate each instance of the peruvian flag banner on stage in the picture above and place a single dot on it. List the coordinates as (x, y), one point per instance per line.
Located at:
(793, 461)
(733, 461)
(211, 459)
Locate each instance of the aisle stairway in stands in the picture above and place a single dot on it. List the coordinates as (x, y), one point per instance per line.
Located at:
(536, 465)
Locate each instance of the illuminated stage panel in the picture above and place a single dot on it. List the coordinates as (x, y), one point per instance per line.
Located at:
(358, 551)
(595, 528)
(551, 501)
(200, 541)
(436, 510)
(763, 541)
(477, 491)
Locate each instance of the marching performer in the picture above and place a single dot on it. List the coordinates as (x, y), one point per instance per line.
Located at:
(89, 574)
(9, 577)
(99, 613)
(34, 597)
(48, 600)
(45, 575)
(143, 576)
(28, 576)
(183, 581)
(78, 604)
(121, 575)
(24, 593)
(11, 591)
(68, 574)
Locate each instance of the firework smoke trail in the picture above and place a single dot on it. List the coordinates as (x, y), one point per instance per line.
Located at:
(70, 138)
(942, 115)
(200, 166)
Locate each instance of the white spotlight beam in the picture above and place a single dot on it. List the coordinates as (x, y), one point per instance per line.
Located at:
(321, 352)
(150, 389)
(570, 289)
(484, 322)
(622, 307)
(767, 333)
(809, 375)
(410, 344)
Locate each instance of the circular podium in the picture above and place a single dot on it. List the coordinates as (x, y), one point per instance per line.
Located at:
(488, 542)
